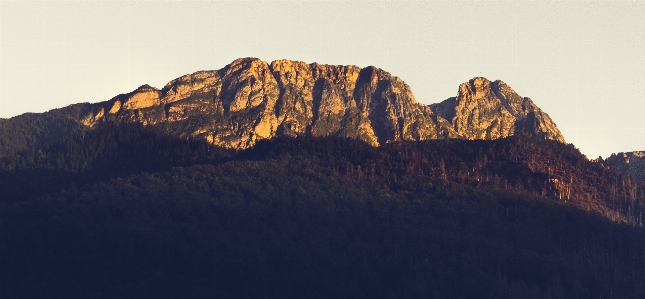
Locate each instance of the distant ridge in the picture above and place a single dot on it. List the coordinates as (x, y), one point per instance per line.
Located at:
(632, 163)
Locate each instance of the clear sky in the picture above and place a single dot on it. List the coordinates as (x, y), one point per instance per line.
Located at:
(583, 62)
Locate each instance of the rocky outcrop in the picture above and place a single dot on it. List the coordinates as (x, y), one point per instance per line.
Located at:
(491, 110)
(250, 100)
(632, 163)
(143, 97)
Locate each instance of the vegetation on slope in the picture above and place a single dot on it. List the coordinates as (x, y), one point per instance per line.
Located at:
(36, 130)
(135, 213)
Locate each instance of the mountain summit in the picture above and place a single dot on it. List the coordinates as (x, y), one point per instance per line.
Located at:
(491, 110)
(250, 100)
(117, 185)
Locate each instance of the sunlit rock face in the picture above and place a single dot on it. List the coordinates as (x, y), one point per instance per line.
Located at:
(632, 163)
(144, 97)
(489, 110)
(250, 100)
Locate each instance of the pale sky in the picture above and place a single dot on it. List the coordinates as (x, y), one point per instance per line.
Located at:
(583, 62)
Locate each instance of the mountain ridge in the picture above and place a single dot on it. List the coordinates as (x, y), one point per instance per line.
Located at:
(632, 163)
(101, 188)
(250, 100)
(473, 112)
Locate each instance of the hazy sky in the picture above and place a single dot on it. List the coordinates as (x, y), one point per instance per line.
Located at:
(583, 62)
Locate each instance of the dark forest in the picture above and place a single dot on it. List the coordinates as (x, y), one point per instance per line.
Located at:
(131, 212)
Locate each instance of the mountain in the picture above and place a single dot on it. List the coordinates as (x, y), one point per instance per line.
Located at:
(632, 163)
(264, 180)
(35, 130)
(250, 100)
(490, 110)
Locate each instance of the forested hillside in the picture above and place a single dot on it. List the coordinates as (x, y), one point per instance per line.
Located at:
(35, 130)
(129, 212)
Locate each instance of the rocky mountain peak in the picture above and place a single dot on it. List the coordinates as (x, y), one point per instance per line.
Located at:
(143, 97)
(144, 88)
(250, 100)
(477, 85)
(489, 110)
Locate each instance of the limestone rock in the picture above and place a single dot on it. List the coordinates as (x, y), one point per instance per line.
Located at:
(91, 119)
(115, 107)
(250, 100)
(143, 97)
(204, 82)
(489, 110)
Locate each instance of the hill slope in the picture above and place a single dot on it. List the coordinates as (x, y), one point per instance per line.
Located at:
(632, 163)
(314, 217)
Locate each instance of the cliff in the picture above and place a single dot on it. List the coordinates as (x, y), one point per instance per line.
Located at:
(490, 110)
(250, 100)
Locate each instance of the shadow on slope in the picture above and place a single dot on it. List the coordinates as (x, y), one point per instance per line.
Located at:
(88, 157)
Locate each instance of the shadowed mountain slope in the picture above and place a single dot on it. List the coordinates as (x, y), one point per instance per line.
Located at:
(129, 211)
(632, 163)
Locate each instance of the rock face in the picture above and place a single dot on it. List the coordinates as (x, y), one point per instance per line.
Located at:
(632, 163)
(491, 110)
(249, 100)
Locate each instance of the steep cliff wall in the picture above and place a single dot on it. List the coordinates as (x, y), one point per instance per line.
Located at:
(249, 100)
(491, 110)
